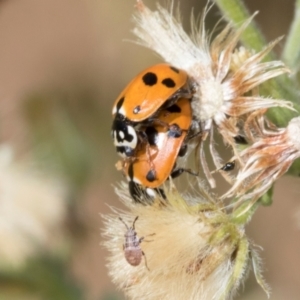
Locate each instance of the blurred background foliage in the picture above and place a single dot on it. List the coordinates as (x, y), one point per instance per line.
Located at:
(62, 64)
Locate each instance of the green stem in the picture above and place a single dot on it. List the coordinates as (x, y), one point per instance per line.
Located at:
(280, 88)
(244, 212)
(236, 12)
(291, 51)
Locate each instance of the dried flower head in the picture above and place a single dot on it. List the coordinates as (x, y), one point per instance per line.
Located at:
(221, 74)
(265, 161)
(196, 250)
(32, 209)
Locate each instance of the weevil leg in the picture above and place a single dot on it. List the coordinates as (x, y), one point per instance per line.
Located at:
(146, 264)
(148, 240)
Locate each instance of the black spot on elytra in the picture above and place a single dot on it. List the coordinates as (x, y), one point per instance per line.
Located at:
(150, 79)
(169, 82)
(174, 69)
(151, 134)
(174, 109)
(151, 176)
(120, 103)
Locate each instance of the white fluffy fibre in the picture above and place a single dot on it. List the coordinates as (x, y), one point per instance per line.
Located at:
(225, 78)
(196, 252)
(211, 65)
(32, 209)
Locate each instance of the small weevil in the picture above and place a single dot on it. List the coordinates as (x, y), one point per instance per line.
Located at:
(132, 250)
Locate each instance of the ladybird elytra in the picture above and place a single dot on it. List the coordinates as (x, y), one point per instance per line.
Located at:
(150, 90)
(164, 149)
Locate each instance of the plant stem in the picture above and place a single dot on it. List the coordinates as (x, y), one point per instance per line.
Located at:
(280, 88)
(291, 51)
(236, 12)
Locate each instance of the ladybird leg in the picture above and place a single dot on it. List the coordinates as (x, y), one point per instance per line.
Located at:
(183, 150)
(161, 193)
(161, 123)
(173, 129)
(218, 162)
(229, 166)
(184, 92)
(197, 134)
(139, 194)
(142, 136)
(179, 171)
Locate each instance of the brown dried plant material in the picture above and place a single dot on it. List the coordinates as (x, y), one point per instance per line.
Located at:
(265, 161)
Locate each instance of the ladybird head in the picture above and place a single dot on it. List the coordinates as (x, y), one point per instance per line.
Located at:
(125, 137)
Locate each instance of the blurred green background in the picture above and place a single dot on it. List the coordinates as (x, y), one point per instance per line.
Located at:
(62, 64)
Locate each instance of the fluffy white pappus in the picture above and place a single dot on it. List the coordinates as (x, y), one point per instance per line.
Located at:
(265, 161)
(193, 251)
(32, 211)
(224, 79)
(209, 63)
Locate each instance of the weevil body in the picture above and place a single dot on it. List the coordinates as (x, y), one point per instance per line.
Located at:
(132, 250)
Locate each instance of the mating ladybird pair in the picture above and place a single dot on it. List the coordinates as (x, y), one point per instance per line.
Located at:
(151, 127)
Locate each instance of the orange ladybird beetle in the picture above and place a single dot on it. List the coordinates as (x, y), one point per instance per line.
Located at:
(165, 145)
(149, 90)
(156, 87)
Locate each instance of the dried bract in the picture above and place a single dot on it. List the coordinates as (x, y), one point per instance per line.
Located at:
(265, 161)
